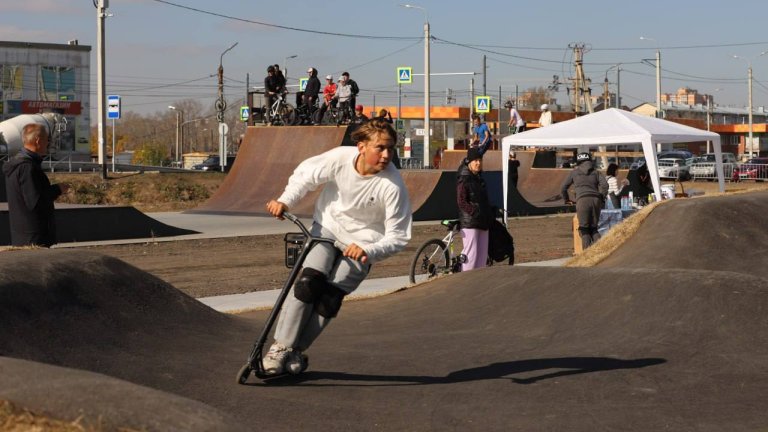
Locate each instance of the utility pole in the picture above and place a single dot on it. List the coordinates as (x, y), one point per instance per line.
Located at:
(581, 83)
(485, 73)
(101, 15)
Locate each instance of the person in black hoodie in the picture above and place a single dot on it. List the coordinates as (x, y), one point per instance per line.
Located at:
(475, 212)
(30, 193)
(590, 188)
(312, 90)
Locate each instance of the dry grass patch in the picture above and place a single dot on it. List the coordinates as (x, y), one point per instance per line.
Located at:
(15, 419)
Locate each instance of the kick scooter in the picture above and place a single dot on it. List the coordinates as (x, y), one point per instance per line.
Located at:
(254, 363)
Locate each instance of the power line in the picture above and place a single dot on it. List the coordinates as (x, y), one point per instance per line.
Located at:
(216, 14)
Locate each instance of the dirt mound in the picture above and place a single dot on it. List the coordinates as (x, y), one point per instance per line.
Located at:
(71, 394)
(727, 233)
(66, 299)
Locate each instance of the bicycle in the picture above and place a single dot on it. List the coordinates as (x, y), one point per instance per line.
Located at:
(306, 115)
(436, 257)
(280, 113)
(338, 114)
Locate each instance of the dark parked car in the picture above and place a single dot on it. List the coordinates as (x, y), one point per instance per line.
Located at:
(753, 169)
(213, 164)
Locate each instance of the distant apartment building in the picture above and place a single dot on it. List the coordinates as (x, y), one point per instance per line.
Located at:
(46, 77)
(684, 96)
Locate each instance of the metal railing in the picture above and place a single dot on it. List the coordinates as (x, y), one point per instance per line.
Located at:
(750, 171)
(706, 171)
(54, 164)
(411, 163)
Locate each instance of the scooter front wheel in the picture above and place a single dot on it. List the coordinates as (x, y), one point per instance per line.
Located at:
(245, 372)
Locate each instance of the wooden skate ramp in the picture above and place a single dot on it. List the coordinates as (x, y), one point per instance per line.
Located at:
(268, 157)
(266, 160)
(538, 189)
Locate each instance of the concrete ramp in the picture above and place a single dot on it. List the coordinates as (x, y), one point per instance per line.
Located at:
(85, 223)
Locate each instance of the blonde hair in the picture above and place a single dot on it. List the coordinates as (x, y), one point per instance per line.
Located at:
(372, 128)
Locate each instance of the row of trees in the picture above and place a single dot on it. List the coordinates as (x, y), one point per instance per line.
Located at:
(152, 137)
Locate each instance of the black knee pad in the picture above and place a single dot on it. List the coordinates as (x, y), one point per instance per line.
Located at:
(310, 286)
(329, 302)
(585, 231)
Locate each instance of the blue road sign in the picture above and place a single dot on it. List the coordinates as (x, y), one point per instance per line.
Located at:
(113, 107)
(483, 104)
(404, 75)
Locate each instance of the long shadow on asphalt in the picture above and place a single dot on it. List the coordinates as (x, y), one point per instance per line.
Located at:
(571, 366)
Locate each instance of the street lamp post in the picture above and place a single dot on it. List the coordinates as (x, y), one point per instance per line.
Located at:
(426, 81)
(658, 77)
(618, 85)
(749, 95)
(179, 117)
(285, 65)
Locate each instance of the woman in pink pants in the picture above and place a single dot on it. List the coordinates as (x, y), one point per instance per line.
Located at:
(475, 211)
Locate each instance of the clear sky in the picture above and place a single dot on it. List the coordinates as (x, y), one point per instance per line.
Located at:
(160, 51)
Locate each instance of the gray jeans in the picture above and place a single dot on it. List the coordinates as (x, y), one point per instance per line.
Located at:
(299, 325)
(588, 213)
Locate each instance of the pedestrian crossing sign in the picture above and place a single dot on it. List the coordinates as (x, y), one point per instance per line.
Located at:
(244, 112)
(404, 75)
(303, 84)
(483, 104)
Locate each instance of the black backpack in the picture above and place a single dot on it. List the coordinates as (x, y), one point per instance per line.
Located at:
(501, 245)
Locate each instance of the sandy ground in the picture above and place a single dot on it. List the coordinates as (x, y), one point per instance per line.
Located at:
(209, 267)
(203, 268)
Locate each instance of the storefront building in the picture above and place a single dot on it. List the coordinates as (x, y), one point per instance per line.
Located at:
(44, 77)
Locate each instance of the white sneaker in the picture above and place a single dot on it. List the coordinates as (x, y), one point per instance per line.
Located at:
(274, 361)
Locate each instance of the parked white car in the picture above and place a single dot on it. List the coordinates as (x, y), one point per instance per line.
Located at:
(704, 167)
(675, 168)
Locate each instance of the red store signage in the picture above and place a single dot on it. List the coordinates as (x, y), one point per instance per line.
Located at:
(61, 107)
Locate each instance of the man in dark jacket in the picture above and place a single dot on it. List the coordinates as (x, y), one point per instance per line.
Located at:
(312, 90)
(590, 188)
(273, 86)
(475, 211)
(30, 194)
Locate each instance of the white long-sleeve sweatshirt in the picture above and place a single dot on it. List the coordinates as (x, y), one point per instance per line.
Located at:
(373, 211)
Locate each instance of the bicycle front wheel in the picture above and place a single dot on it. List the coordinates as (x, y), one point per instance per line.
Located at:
(431, 260)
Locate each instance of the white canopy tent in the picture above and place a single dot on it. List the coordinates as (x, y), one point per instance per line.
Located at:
(615, 127)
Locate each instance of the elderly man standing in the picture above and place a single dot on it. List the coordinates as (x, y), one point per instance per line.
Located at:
(30, 194)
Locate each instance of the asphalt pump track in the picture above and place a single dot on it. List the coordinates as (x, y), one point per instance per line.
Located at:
(654, 338)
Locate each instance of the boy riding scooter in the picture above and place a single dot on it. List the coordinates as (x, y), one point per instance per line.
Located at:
(364, 206)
